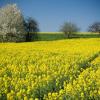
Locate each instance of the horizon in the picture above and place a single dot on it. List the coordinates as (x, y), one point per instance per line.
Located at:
(51, 14)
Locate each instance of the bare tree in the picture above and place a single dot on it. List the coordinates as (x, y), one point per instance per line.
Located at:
(95, 27)
(69, 28)
(31, 25)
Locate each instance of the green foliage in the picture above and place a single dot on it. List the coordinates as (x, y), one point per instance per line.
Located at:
(51, 36)
(48, 36)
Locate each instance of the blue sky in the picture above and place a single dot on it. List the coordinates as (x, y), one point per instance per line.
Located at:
(51, 14)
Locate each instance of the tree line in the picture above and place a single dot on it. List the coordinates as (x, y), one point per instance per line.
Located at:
(15, 28)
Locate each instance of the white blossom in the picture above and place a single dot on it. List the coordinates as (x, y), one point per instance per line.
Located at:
(11, 22)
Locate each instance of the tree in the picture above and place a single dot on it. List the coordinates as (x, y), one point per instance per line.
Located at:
(69, 28)
(31, 25)
(95, 27)
(11, 24)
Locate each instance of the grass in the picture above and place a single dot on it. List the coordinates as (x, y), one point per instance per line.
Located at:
(50, 36)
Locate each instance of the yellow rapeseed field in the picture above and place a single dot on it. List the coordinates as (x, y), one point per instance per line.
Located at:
(54, 70)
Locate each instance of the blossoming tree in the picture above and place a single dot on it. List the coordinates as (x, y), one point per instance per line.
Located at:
(11, 24)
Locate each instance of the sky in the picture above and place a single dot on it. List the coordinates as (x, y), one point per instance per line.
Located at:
(51, 14)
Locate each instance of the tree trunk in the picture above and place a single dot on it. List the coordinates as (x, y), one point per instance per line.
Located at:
(28, 37)
(68, 35)
(99, 32)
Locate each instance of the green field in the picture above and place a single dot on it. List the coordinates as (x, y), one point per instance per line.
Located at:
(66, 69)
(49, 36)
